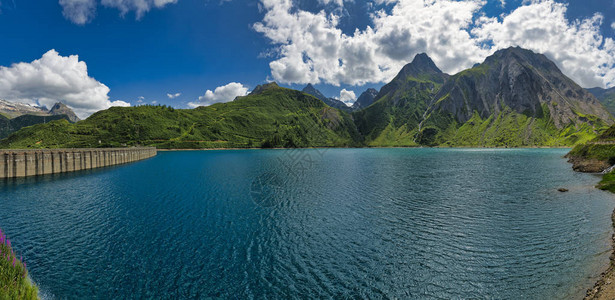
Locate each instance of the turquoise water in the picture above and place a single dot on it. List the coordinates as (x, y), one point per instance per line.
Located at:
(356, 223)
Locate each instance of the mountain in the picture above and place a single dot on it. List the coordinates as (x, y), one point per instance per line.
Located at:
(606, 96)
(311, 90)
(14, 116)
(8, 126)
(514, 98)
(270, 116)
(394, 118)
(61, 109)
(14, 109)
(366, 99)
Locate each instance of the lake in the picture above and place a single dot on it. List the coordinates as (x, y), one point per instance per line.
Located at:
(318, 223)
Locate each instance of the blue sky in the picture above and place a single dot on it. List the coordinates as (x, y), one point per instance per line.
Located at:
(191, 46)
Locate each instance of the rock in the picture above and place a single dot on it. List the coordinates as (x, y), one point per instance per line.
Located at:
(588, 165)
(366, 99)
(61, 109)
(563, 190)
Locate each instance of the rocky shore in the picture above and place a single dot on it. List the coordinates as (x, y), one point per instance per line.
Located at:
(605, 287)
(587, 165)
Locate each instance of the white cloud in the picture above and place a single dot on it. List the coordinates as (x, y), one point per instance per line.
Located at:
(576, 47)
(79, 11)
(83, 11)
(336, 2)
(456, 34)
(221, 94)
(140, 7)
(348, 97)
(173, 96)
(613, 25)
(54, 78)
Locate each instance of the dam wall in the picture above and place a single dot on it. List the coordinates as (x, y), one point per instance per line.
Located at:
(24, 163)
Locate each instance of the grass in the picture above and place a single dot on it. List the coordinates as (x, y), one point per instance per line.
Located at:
(14, 280)
(275, 117)
(10, 125)
(607, 183)
(282, 118)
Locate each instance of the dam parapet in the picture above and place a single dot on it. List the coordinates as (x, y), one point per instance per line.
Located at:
(25, 163)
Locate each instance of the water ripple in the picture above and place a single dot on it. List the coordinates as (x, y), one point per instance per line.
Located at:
(357, 223)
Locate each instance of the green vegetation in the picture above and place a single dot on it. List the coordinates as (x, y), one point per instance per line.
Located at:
(608, 182)
(14, 280)
(273, 117)
(604, 152)
(8, 125)
(511, 129)
(278, 117)
(606, 97)
(479, 107)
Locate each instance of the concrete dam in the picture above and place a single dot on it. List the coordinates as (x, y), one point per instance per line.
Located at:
(24, 163)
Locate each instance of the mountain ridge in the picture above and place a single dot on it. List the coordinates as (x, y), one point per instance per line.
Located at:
(515, 98)
(335, 103)
(606, 96)
(270, 117)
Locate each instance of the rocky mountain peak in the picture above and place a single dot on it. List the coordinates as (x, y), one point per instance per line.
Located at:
(366, 99)
(311, 90)
(421, 71)
(523, 81)
(61, 109)
(523, 57)
(420, 66)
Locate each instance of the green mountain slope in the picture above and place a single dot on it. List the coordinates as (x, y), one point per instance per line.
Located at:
(394, 118)
(516, 98)
(269, 117)
(606, 97)
(8, 126)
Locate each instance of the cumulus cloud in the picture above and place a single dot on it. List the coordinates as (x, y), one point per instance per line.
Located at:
(348, 97)
(173, 96)
(311, 48)
(613, 25)
(55, 78)
(83, 11)
(225, 93)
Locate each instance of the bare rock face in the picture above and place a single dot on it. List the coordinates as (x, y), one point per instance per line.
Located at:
(366, 99)
(15, 109)
(421, 73)
(14, 116)
(526, 82)
(588, 165)
(606, 97)
(61, 109)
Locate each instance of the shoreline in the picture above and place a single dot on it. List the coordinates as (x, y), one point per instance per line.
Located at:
(604, 288)
(307, 148)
